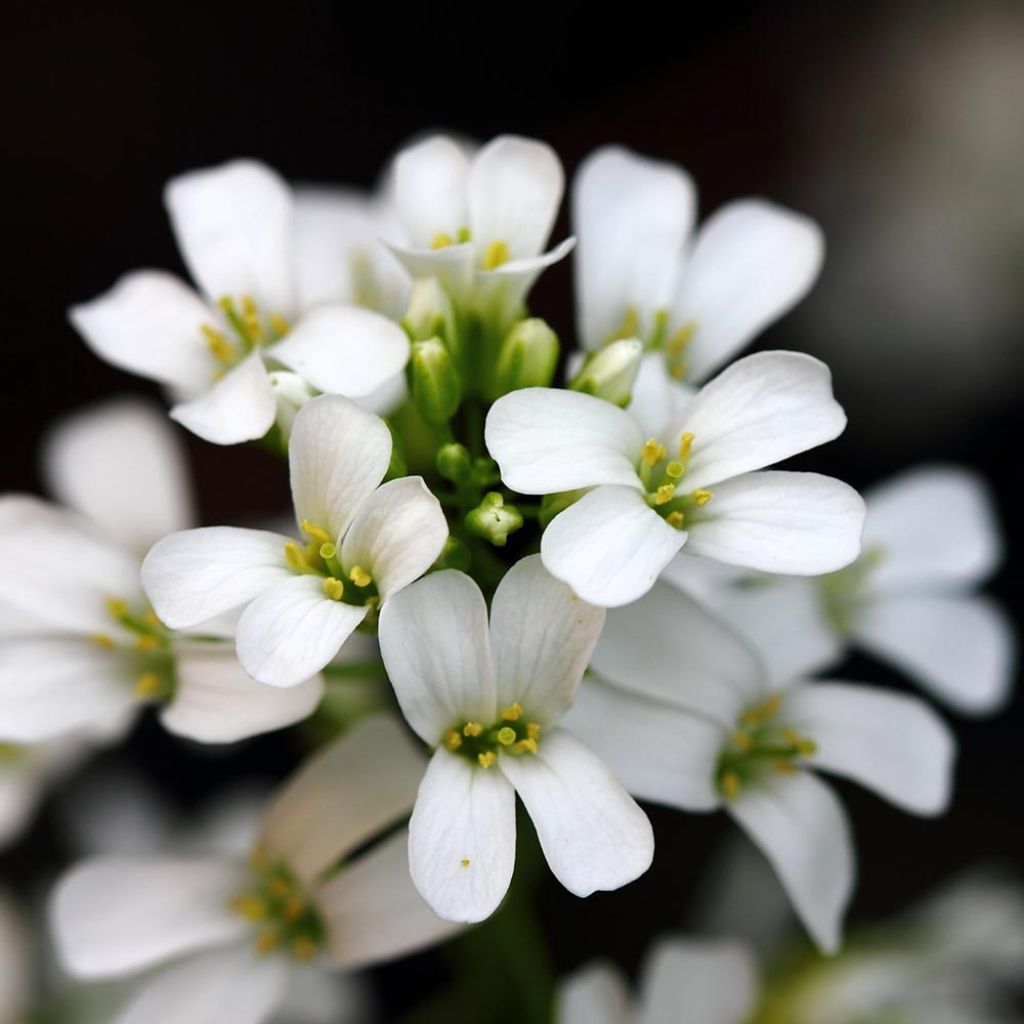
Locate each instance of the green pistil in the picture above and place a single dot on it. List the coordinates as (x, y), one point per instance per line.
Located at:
(320, 557)
(662, 477)
(481, 744)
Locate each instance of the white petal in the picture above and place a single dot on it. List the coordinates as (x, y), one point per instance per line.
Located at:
(758, 411)
(53, 686)
(122, 466)
(462, 838)
(699, 982)
(610, 546)
(150, 323)
(546, 440)
(344, 350)
(216, 986)
(348, 792)
(593, 834)
(666, 646)
(292, 630)
(657, 751)
(657, 397)
(802, 829)
(632, 216)
(751, 263)
(374, 912)
(215, 701)
(452, 266)
(434, 642)
(112, 916)
(501, 291)
(397, 534)
(515, 186)
(892, 743)
(594, 995)
(196, 575)
(233, 224)
(962, 649)
(935, 527)
(239, 407)
(338, 454)
(542, 636)
(430, 190)
(799, 523)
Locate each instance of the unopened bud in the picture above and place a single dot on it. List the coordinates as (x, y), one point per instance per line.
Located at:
(291, 393)
(429, 314)
(527, 358)
(610, 372)
(435, 383)
(493, 520)
(454, 463)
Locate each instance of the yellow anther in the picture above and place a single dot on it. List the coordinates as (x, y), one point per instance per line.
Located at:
(293, 909)
(675, 519)
(472, 729)
(104, 640)
(674, 470)
(630, 326)
(334, 588)
(279, 887)
(251, 318)
(506, 735)
(279, 325)
(314, 532)
(150, 619)
(731, 785)
(441, 240)
(266, 942)
(742, 740)
(806, 748)
(294, 556)
(702, 497)
(652, 452)
(664, 494)
(464, 862)
(785, 767)
(527, 746)
(685, 446)
(533, 730)
(116, 607)
(679, 340)
(511, 713)
(495, 254)
(487, 758)
(252, 908)
(463, 236)
(327, 550)
(147, 643)
(220, 348)
(452, 740)
(304, 947)
(763, 712)
(148, 685)
(359, 576)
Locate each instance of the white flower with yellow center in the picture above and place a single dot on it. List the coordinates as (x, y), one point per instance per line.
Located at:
(489, 698)
(685, 713)
(691, 484)
(223, 939)
(227, 350)
(80, 648)
(361, 542)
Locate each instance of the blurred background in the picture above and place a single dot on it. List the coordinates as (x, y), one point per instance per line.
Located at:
(899, 126)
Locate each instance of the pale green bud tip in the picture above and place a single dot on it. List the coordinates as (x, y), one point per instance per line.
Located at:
(527, 357)
(454, 462)
(493, 520)
(430, 311)
(435, 383)
(611, 372)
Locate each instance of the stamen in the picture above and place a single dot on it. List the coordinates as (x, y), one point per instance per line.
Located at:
(664, 494)
(685, 447)
(220, 348)
(495, 255)
(147, 643)
(314, 532)
(252, 908)
(116, 607)
(487, 758)
(676, 519)
(472, 729)
(294, 556)
(359, 576)
(251, 319)
(533, 730)
(441, 240)
(731, 786)
(452, 741)
(279, 325)
(334, 588)
(742, 740)
(527, 746)
(652, 452)
(104, 640)
(148, 685)
(511, 713)
(702, 497)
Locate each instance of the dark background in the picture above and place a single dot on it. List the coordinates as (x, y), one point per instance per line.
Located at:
(836, 109)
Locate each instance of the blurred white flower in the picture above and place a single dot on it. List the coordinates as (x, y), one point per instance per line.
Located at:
(302, 600)
(686, 715)
(490, 700)
(649, 498)
(236, 230)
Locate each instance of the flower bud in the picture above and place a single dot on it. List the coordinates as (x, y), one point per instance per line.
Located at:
(429, 314)
(527, 358)
(291, 393)
(454, 463)
(435, 383)
(610, 372)
(493, 520)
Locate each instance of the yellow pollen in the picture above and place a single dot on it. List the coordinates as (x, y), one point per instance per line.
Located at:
(685, 446)
(702, 497)
(279, 325)
(487, 758)
(220, 348)
(674, 470)
(293, 908)
(327, 550)
(147, 643)
(506, 736)
(266, 942)
(527, 746)
(279, 887)
(314, 532)
(742, 740)
(511, 713)
(675, 519)
(104, 640)
(805, 747)
(147, 685)
(762, 712)
(294, 556)
(785, 767)
(452, 741)
(464, 862)
(731, 785)
(533, 730)
(441, 240)
(304, 947)
(252, 908)
(251, 318)
(664, 494)
(472, 729)
(116, 607)
(652, 452)
(150, 619)
(495, 254)
(334, 588)
(359, 576)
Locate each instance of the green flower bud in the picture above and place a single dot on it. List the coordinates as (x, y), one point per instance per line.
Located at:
(527, 358)
(429, 314)
(493, 520)
(454, 462)
(434, 381)
(485, 472)
(610, 372)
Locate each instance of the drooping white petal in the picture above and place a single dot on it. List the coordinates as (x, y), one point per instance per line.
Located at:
(52, 686)
(593, 834)
(344, 350)
(338, 454)
(396, 535)
(292, 630)
(657, 397)
(216, 701)
(801, 828)
(546, 440)
(595, 995)
(373, 911)
(239, 407)
(698, 982)
(514, 189)
(150, 323)
(666, 646)
(657, 751)
(233, 225)
(451, 265)
(610, 546)
(758, 411)
(196, 575)
(112, 916)
(542, 636)
(751, 263)
(212, 987)
(462, 837)
(962, 649)
(934, 527)
(803, 524)
(349, 791)
(430, 182)
(121, 465)
(890, 742)
(632, 216)
(434, 642)
(502, 291)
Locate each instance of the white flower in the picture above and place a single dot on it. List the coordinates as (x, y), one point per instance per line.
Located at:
(479, 223)
(80, 648)
(489, 699)
(686, 715)
(234, 226)
(228, 938)
(930, 538)
(684, 981)
(648, 498)
(302, 599)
